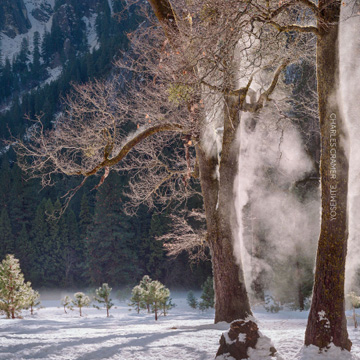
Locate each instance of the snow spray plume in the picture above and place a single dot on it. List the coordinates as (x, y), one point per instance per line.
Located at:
(349, 52)
(277, 224)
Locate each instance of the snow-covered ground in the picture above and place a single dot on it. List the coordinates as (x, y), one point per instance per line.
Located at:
(185, 334)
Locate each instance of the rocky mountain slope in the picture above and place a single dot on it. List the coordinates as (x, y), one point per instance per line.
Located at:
(21, 19)
(14, 18)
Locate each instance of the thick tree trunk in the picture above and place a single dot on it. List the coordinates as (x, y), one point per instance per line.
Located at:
(231, 297)
(231, 301)
(327, 320)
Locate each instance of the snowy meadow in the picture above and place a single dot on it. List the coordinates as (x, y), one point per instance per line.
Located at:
(185, 334)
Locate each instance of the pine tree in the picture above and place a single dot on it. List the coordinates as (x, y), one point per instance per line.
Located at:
(14, 292)
(102, 296)
(39, 237)
(23, 57)
(191, 300)
(136, 300)
(53, 263)
(159, 296)
(355, 303)
(146, 295)
(5, 178)
(7, 240)
(24, 250)
(151, 295)
(7, 79)
(66, 303)
(111, 249)
(36, 66)
(85, 216)
(151, 250)
(46, 47)
(23, 199)
(103, 22)
(1, 56)
(208, 295)
(165, 300)
(33, 300)
(80, 300)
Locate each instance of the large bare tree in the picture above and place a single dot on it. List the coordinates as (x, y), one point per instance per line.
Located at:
(184, 87)
(327, 320)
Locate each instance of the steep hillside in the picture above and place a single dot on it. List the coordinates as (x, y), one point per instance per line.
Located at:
(14, 18)
(51, 45)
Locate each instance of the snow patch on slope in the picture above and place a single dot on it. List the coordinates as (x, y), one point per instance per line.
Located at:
(91, 31)
(11, 47)
(54, 74)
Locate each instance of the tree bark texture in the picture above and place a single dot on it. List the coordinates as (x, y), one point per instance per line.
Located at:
(231, 301)
(327, 320)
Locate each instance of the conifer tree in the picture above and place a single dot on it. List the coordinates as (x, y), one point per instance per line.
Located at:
(146, 294)
(85, 216)
(1, 57)
(5, 177)
(136, 300)
(23, 57)
(151, 295)
(355, 303)
(14, 292)
(22, 201)
(151, 249)
(6, 236)
(208, 295)
(33, 300)
(80, 300)
(111, 249)
(191, 300)
(24, 250)
(66, 303)
(159, 296)
(39, 237)
(102, 296)
(76, 246)
(53, 263)
(46, 47)
(156, 296)
(165, 300)
(7, 79)
(36, 66)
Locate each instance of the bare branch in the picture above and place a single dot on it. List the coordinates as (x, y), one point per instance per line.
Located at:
(188, 235)
(298, 28)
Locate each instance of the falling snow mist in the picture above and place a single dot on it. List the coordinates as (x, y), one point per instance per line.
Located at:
(349, 51)
(278, 225)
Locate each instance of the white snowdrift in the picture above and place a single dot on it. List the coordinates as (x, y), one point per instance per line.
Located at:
(185, 334)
